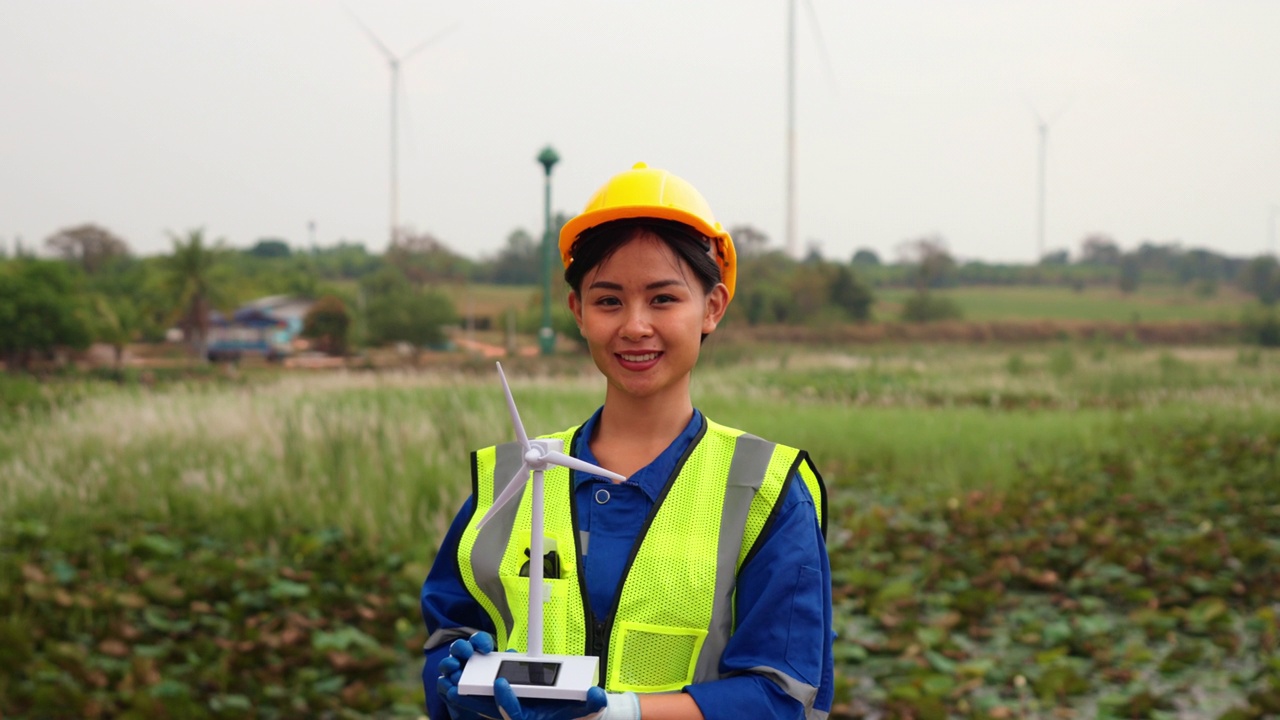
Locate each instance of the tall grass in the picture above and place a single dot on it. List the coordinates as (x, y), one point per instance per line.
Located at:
(385, 456)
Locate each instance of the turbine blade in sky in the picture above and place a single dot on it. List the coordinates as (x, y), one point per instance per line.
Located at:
(822, 45)
(385, 50)
(429, 42)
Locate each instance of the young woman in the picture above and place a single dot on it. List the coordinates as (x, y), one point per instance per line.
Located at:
(701, 582)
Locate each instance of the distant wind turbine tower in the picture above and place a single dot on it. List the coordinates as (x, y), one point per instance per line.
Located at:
(395, 61)
(1042, 126)
(1271, 229)
(1044, 142)
(792, 247)
(792, 220)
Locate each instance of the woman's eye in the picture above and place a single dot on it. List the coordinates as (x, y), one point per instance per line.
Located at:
(664, 299)
(607, 301)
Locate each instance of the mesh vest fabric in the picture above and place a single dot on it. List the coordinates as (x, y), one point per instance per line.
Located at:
(675, 598)
(664, 608)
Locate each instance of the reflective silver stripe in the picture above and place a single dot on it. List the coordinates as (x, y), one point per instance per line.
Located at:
(443, 636)
(802, 693)
(751, 457)
(492, 540)
(584, 539)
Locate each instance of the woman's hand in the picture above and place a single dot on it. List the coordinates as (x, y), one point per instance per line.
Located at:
(451, 671)
(504, 705)
(512, 709)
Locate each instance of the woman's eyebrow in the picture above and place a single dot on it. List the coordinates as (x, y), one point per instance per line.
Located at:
(662, 284)
(606, 285)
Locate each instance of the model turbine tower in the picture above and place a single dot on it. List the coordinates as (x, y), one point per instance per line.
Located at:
(533, 674)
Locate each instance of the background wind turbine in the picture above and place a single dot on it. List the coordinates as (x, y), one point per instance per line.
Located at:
(1271, 229)
(394, 62)
(792, 220)
(1043, 126)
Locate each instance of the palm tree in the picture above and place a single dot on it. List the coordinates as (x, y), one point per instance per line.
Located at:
(115, 321)
(191, 280)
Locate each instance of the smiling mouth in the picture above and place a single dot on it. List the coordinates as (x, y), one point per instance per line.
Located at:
(644, 357)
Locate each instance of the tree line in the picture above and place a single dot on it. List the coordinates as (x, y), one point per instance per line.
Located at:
(91, 287)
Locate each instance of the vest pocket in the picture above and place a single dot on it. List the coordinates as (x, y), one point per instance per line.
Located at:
(555, 613)
(653, 658)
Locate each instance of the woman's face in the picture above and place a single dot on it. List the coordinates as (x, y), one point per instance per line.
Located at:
(643, 313)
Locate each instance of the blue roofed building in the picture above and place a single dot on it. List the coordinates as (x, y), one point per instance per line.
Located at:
(268, 327)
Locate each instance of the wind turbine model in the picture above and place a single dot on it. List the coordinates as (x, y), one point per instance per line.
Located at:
(395, 62)
(532, 674)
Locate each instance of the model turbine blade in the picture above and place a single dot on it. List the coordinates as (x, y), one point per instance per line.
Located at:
(559, 458)
(515, 414)
(512, 491)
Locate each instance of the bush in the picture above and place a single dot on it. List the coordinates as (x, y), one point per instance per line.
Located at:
(1015, 365)
(417, 318)
(40, 310)
(18, 392)
(1062, 361)
(851, 295)
(766, 305)
(1249, 357)
(328, 323)
(562, 321)
(1262, 327)
(927, 307)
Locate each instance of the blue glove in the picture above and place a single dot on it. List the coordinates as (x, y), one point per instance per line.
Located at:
(460, 651)
(533, 709)
(504, 705)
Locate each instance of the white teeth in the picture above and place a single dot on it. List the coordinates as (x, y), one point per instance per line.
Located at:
(639, 358)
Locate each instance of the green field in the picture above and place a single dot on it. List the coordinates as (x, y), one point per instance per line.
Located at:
(1154, 303)
(1149, 304)
(493, 300)
(1062, 531)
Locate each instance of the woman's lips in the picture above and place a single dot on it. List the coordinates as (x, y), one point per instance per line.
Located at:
(638, 361)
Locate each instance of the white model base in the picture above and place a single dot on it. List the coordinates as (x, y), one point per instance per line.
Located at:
(555, 677)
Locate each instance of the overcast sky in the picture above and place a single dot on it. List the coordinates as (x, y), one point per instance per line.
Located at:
(253, 118)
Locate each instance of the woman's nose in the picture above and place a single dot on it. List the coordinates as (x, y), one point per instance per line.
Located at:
(636, 325)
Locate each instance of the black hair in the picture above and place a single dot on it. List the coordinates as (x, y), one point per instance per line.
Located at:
(597, 244)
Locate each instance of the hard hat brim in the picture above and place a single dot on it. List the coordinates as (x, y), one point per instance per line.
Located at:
(723, 250)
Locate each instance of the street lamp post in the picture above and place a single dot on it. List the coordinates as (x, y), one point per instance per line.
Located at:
(547, 335)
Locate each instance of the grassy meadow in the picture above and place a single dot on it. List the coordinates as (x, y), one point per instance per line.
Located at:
(1060, 530)
(1150, 303)
(1156, 303)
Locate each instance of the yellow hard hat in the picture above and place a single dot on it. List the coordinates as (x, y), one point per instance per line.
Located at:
(645, 192)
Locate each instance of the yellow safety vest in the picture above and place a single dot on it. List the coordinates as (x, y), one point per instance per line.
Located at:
(674, 613)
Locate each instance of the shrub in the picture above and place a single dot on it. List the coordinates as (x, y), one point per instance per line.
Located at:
(1262, 327)
(851, 295)
(927, 307)
(1015, 365)
(415, 317)
(40, 310)
(20, 392)
(1062, 361)
(1249, 357)
(328, 323)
